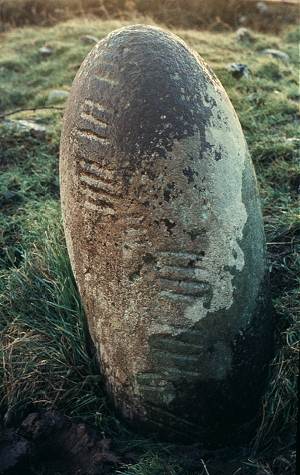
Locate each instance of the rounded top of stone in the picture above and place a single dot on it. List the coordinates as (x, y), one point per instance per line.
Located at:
(154, 85)
(149, 32)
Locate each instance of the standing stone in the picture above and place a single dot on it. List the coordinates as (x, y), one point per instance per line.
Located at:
(165, 235)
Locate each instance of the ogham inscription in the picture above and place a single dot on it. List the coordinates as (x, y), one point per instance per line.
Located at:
(98, 184)
(164, 232)
(181, 277)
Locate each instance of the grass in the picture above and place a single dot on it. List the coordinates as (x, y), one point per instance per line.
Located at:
(215, 14)
(46, 363)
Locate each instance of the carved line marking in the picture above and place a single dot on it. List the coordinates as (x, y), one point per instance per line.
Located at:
(150, 387)
(183, 273)
(94, 120)
(106, 79)
(94, 123)
(98, 187)
(99, 207)
(91, 135)
(97, 196)
(184, 259)
(180, 277)
(100, 201)
(97, 110)
(180, 372)
(177, 358)
(96, 184)
(183, 287)
(88, 166)
(171, 345)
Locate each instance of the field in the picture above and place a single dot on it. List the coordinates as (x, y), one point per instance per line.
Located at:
(46, 362)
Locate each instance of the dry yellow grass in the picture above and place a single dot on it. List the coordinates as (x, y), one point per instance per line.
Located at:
(212, 14)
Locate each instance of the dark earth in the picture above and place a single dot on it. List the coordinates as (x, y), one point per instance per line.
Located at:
(49, 443)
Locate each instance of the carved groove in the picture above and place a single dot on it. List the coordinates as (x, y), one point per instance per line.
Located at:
(91, 135)
(106, 80)
(91, 205)
(196, 289)
(94, 120)
(93, 168)
(180, 277)
(97, 184)
(150, 387)
(185, 273)
(97, 111)
(172, 345)
(179, 259)
(178, 373)
(97, 195)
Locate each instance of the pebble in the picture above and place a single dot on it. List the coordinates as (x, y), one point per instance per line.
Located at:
(262, 7)
(35, 130)
(244, 35)
(275, 53)
(56, 96)
(89, 39)
(293, 140)
(45, 51)
(238, 70)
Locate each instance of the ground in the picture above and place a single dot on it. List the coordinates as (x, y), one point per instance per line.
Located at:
(46, 361)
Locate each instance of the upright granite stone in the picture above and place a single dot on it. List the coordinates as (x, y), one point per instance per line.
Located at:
(165, 235)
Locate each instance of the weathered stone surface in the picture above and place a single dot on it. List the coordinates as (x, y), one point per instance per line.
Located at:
(165, 236)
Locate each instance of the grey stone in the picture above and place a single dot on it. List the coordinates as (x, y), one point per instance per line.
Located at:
(88, 39)
(262, 7)
(277, 54)
(242, 19)
(293, 140)
(239, 70)
(45, 51)
(243, 35)
(57, 96)
(36, 130)
(165, 235)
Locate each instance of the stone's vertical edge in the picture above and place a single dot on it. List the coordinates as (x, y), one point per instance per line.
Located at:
(165, 236)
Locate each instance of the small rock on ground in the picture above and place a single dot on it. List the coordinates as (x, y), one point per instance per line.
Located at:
(243, 35)
(57, 96)
(35, 130)
(277, 54)
(89, 39)
(293, 140)
(238, 70)
(262, 7)
(45, 51)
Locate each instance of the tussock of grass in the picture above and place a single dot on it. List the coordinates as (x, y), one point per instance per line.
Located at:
(46, 359)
